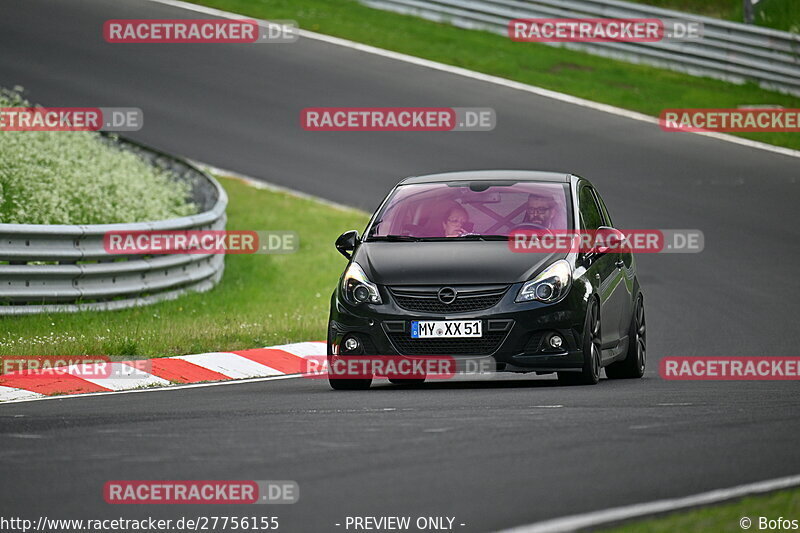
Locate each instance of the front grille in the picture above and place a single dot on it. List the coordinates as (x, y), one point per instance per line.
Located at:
(425, 299)
(485, 345)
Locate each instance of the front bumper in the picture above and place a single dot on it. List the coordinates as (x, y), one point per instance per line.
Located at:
(515, 335)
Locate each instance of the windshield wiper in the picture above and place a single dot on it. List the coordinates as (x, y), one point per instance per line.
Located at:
(410, 238)
(393, 238)
(479, 237)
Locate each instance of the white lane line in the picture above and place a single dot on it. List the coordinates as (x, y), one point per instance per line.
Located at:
(647, 426)
(231, 365)
(10, 394)
(618, 514)
(487, 78)
(160, 389)
(118, 377)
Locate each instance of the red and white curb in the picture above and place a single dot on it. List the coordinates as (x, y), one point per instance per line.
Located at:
(273, 361)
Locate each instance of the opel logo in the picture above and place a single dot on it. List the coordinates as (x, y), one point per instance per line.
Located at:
(447, 295)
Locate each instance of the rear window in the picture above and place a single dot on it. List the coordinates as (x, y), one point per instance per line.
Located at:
(455, 209)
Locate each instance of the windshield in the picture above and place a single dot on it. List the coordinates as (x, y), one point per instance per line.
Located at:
(465, 209)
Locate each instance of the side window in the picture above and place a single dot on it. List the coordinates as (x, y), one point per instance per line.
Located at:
(606, 216)
(590, 213)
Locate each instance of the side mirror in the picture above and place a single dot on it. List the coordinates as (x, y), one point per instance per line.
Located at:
(610, 240)
(346, 243)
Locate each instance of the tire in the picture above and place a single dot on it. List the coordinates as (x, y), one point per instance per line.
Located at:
(590, 373)
(632, 367)
(349, 384)
(407, 381)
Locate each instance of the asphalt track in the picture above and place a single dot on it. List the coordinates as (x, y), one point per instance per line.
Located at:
(491, 454)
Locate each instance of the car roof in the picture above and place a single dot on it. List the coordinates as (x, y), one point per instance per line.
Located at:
(491, 175)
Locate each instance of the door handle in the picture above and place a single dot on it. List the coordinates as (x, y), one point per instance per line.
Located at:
(620, 263)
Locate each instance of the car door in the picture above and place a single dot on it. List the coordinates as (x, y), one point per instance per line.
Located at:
(627, 275)
(602, 269)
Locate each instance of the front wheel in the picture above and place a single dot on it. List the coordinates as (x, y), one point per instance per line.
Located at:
(349, 384)
(346, 383)
(632, 366)
(590, 373)
(407, 381)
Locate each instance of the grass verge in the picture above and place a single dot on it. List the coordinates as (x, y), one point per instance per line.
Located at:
(637, 87)
(262, 299)
(776, 14)
(721, 9)
(723, 518)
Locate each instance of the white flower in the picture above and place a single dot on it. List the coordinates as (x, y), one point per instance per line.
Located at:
(80, 178)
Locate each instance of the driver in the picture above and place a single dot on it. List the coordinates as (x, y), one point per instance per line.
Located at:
(453, 224)
(540, 210)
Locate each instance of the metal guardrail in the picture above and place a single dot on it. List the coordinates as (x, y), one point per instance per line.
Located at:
(728, 50)
(65, 268)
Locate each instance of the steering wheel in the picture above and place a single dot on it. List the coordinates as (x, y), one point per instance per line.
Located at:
(528, 227)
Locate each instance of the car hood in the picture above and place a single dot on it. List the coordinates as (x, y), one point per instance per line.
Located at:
(448, 262)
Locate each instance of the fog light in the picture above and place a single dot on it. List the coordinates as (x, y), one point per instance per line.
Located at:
(351, 344)
(556, 341)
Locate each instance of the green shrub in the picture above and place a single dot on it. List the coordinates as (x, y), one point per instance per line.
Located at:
(78, 178)
(779, 14)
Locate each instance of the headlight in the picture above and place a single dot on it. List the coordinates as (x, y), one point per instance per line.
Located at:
(357, 288)
(550, 286)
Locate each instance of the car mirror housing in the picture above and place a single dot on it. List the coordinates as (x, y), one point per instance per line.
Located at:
(346, 243)
(611, 235)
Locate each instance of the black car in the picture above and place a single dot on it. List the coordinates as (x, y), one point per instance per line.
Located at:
(436, 253)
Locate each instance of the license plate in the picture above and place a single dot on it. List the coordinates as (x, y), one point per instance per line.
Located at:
(427, 329)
